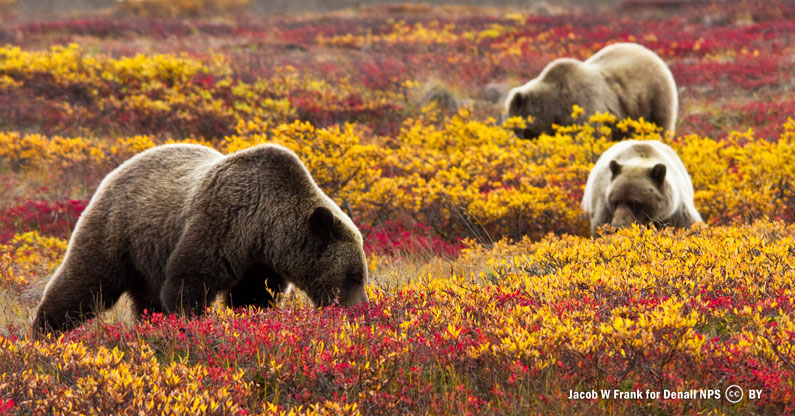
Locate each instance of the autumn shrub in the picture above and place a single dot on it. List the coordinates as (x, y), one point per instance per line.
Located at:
(180, 8)
(6, 6)
(28, 257)
(6, 406)
(365, 68)
(55, 219)
(487, 294)
(393, 239)
(122, 28)
(130, 381)
(162, 94)
(642, 309)
(465, 178)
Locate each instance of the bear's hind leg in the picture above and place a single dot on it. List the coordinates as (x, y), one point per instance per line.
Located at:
(662, 114)
(73, 297)
(258, 287)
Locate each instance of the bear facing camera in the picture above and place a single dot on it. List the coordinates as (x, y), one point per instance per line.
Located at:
(624, 79)
(640, 182)
(177, 225)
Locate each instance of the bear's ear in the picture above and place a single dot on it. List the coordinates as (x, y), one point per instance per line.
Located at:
(658, 174)
(615, 168)
(321, 223)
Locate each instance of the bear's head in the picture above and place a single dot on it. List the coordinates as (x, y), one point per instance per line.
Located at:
(639, 194)
(549, 98)
(291, 225)
(539, 103)
(335, 269)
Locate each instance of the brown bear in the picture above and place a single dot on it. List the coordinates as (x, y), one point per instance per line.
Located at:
(641, 182)
(624, 79)
(178, 224)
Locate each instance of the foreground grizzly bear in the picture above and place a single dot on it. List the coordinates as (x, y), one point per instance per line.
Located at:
(625, 79)
(641, 182)
(178, 224)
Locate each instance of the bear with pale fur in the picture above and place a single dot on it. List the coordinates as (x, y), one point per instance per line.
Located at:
(177, 225)
(624, 79)
(642, 182)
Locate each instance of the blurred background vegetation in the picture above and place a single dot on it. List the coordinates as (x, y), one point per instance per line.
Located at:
(58, 9)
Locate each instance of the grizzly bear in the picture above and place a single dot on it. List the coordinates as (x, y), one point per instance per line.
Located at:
(641, 182)
(624, 79)
(178, 224)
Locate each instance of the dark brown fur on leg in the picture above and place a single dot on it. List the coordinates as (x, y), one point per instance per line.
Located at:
(195, 273)
(69, 302)
(258, 287)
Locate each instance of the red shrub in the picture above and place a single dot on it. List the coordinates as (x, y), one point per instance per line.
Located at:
(56, 219)
(393, 239)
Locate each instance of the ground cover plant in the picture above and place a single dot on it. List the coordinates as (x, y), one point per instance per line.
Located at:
(488, 296)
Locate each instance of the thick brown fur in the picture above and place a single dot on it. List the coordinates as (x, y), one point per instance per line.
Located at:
(641, 182)
(177, 225)
(624, 79)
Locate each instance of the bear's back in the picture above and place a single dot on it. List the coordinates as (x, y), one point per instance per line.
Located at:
(622, 54)
(280, 179)
(137, 213)
(642, 81)
(158, 179)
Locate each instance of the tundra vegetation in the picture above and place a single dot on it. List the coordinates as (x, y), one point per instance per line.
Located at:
(488, 294)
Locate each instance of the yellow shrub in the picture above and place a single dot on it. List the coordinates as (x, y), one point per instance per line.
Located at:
(183, 8)
(467, 178)
(28, 257)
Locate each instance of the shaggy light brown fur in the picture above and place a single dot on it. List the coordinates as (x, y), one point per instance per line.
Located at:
(641, 182)
(625, 79)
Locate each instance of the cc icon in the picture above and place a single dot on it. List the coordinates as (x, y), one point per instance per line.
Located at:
(734, 393)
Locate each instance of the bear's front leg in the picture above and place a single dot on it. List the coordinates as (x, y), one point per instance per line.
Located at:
(259, 287)
(196, 272)
(191, 284)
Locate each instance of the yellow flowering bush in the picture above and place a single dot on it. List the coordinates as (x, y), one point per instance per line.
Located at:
(742, 177)
(502, 329)
(157, 94)
(28, 257)
(188, 8)
(132, 381)
(466, 178)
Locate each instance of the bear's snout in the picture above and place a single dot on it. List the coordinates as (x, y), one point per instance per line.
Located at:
(623, 217)
(356, 297)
